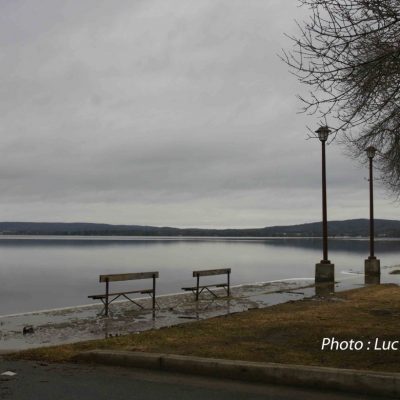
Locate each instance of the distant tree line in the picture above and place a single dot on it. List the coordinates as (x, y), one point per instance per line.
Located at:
(359, 227)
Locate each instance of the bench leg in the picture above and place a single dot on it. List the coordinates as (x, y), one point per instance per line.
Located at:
(197, 288)
(106, 302)
(211, 292)
(229, 284)
(154, 292)
(102, 312)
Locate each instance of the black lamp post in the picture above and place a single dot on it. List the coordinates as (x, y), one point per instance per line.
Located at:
(324, 271)
(372, 264)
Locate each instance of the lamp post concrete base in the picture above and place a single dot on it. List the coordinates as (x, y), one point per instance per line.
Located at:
(324, 272)
(372, 279)
(372, 266)
(325, 289)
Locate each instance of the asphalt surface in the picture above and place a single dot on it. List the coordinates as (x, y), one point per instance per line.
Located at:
(43, 381)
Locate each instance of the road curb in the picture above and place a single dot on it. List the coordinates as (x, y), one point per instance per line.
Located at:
(349, 380)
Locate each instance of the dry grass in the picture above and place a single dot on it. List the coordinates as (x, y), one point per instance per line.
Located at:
(287, 333)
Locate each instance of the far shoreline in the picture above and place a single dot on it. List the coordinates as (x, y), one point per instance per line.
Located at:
(184, 237)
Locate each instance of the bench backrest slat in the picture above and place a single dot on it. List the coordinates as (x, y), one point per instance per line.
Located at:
(128, 277)
(208, 272)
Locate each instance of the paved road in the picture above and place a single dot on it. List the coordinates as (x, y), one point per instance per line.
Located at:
(58, 382)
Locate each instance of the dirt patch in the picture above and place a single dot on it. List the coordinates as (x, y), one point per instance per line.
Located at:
(286, 333)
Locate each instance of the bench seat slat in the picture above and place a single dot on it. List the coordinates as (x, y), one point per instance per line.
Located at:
(208, 272)
(99, 296)
(204, 286)
(128, 277)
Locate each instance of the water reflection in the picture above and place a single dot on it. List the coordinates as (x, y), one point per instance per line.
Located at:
(360, 246)
(354, 245)
(43, 273)
(83, 242)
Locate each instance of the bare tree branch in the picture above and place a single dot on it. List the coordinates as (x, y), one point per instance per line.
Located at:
(348, 52)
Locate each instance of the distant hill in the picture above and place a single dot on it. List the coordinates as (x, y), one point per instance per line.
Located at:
(352, 227)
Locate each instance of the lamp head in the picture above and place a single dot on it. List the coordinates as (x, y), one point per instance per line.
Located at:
(371, 150)
(323, 133)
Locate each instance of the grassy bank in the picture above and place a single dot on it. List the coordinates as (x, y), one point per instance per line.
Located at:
(286, 333)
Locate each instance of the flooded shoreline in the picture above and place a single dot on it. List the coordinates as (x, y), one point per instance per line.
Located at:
(85, 322)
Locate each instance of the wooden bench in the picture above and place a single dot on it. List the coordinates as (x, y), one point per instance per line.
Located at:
(198, 289)
(105, 298)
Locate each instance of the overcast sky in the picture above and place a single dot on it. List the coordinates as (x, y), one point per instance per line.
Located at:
(162, 112)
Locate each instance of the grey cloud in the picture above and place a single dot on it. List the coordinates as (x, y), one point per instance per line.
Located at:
(159, 112)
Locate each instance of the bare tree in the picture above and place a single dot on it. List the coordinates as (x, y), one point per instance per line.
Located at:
(348, 52)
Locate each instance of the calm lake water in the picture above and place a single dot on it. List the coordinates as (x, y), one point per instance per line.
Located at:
(46, 272)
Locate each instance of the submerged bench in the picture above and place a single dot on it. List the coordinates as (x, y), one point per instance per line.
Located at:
(198, 289)
(105, 298)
